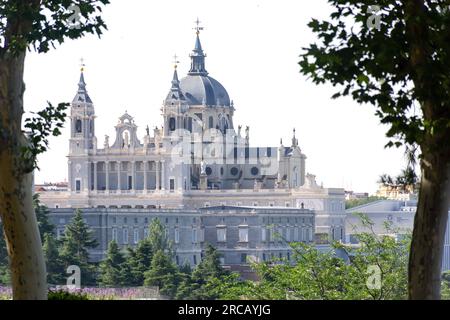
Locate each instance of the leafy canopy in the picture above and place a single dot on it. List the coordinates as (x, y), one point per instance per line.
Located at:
(403, 63)
(48, 23)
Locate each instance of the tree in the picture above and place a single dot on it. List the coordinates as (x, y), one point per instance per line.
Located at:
(4, 261)
(158, 238)
(139, 259)
(138, 262)
(112, 268)
(204, 273)
(163, 273)
(395, 59)
(319, 275)
(53, 262)
(76, 242)
(39, 25)
(42, 216)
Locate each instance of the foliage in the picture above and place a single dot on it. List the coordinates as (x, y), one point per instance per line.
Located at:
(4, 260)
(77, 239)
(359, 202)
(3, 250)
(43, 219)
(66, 295)
(53, 262)
(47, 122)
(112, 268)
(158, 238)
(163, 274)
(137, 262)
(319, 275)
(200, 285)
(49, 23)
(380, 66)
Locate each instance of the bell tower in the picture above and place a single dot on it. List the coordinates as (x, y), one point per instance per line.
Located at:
(82, 139)
(82, 120)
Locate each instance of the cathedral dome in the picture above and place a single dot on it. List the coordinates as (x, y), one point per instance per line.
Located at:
(202, 89)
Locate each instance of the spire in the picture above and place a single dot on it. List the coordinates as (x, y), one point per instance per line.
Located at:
(197, 55)
(175, 91)
(175, 81)
(294, 139)
(82, 94)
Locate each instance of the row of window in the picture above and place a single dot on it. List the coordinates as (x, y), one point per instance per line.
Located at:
(146, 220)
(287, 204)
(196, 235)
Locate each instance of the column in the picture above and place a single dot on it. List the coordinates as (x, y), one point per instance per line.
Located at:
(158, 185)
(118, 175)
(107, 175)
(163, 174)
(70, 175)
(133, 175)
(145, 163)
(95, 175)
(86, 179)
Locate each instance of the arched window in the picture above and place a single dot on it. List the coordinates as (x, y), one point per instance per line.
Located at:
(78, 126)
(211, 122)
(172, 124)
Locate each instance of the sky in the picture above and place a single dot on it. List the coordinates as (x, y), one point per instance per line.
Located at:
(252, 48)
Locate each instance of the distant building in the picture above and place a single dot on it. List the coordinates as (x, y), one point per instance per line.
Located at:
(399, 213)
(59, 186)
(394, 192)
(350, 195)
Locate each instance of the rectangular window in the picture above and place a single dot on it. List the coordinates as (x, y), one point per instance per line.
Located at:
(136, 236)
(130, 182)
(172, 184)
(125, 236)
(243, 258)
(221, 234)
(296, 235)
(280, 234)
(263, 234)
(243, 234)
(288, 234)
(194, 236)
(114, 234)
(59, 233)
(77, 185)
(146, 232)
(195, 260)
(177, 235)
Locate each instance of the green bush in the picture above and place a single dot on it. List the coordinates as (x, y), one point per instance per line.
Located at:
(65, 295)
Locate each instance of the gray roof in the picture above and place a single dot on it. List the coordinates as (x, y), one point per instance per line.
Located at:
(199, 89)
(82, 94)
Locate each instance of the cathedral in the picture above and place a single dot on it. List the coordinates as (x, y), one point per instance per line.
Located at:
(198, 174)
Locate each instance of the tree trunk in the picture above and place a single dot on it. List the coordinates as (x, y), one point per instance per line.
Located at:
(28, 273)
(425, 261)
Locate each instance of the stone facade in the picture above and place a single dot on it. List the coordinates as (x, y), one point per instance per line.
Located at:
(241, 234)
(196, 160)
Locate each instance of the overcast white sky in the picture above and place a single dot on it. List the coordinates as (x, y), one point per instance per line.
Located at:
(252, 47)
